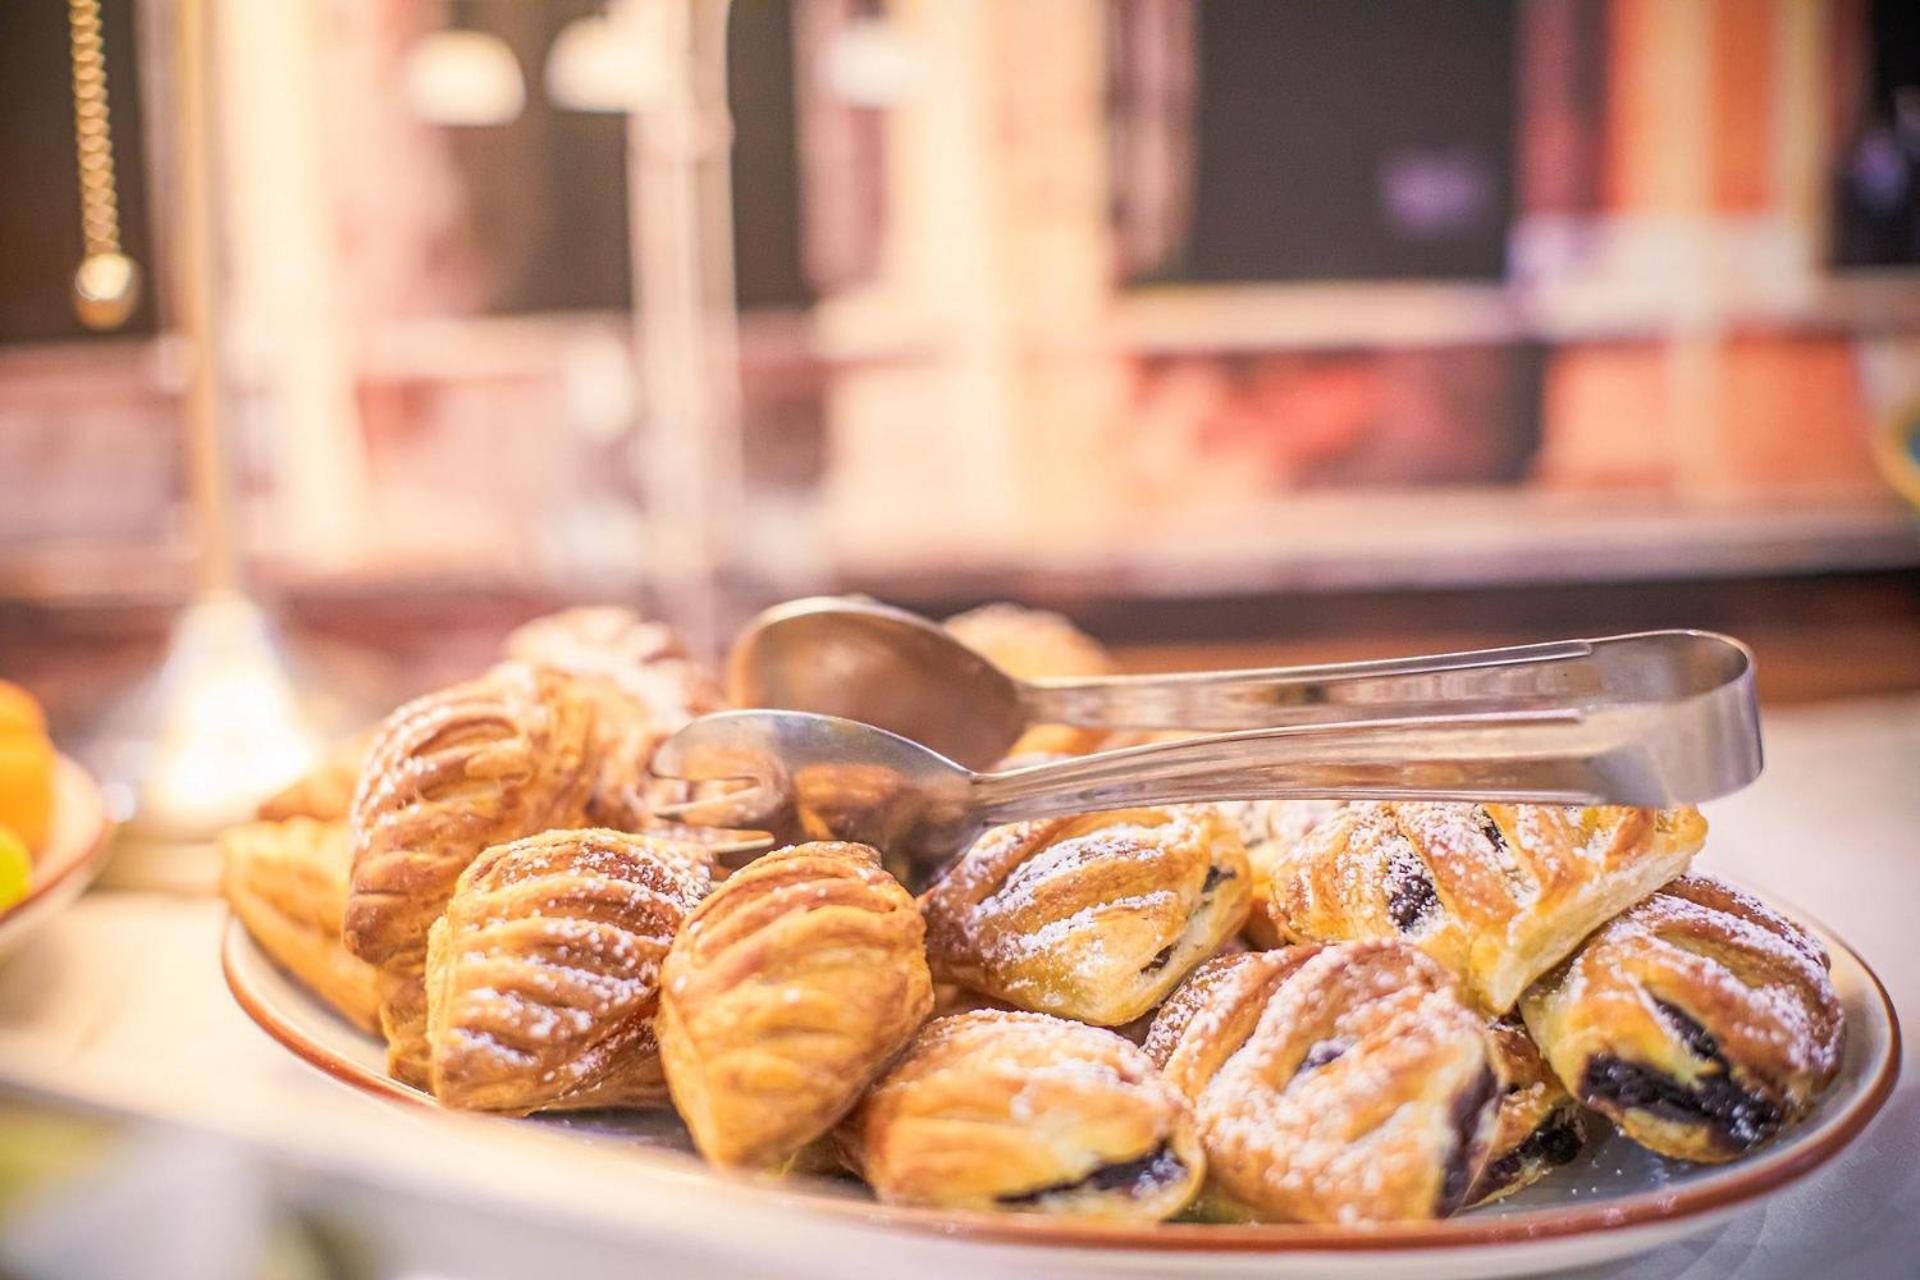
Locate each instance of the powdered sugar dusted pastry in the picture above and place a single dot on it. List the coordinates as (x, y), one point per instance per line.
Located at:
(449, 774)
(1021, 1112)
(785, 994)
(1340, 1084)
(1272, 830)
(643, 687)
(287, 882)
(1033, 644)
(543, 977)
(1497, 893)
(1699, 1021)
(1538, 1125)
(1096, 917)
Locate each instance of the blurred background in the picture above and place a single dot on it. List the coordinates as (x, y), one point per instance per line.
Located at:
(1331, 328)
(339, 336)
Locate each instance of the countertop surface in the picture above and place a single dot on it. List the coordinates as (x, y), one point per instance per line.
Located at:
(120, 1003)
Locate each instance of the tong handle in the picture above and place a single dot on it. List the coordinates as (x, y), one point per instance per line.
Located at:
(1650, 666)
(1540, 757)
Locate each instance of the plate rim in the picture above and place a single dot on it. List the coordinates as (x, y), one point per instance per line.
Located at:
(79, 856)
(1745, 1182)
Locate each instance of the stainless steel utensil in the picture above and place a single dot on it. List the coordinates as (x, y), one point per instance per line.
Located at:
(887, 667)
(816, 776)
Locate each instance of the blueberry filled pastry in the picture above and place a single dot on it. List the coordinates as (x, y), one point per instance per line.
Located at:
(1497, 893)
(1019, 1112)
(449, 774)
(1538, 1126)
(787, 991)
(1271, 831)
(1332, 1084)
(1699, 1021)
(1095, 917)
(543, 977)
(287, 883)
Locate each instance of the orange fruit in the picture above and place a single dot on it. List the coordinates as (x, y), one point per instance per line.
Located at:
(26, 786)
(19, 713)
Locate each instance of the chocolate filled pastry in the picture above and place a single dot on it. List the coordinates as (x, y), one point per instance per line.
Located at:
(643, 686)
(785, 994)
(543, 977)
(1498, 893)
(1272, 830)
(287, 883)
(1538, 1126)
(1033, 644)
(479, 764)
(1095, 917)
(1699, 1021)
(1025, 1113)
(1339, 1084)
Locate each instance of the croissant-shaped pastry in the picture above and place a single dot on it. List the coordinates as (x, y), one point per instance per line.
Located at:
(1033, 644)
(1538, 1125)
(1497, 893)
(643, 687)
(449, 774)
(1022, 1112)
(1699, 1021)
(785, 994)
(1096, 917)
(1332, 1084)
(1272, 830)
(287, 883)
(544, 975)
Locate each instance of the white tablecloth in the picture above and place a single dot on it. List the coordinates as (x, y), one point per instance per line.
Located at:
(121, 1002)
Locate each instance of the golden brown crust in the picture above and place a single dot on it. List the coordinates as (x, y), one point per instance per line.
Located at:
(1332, 1084)
(1033, 644)
(1538, 1125)
(643, 687)
(1096, 917)
(1699, 1021)
(1497, 893)
(1022, 1112)
(543, 977)
(1272, 830)
(786, 993)
(287, 883)
(479, 764)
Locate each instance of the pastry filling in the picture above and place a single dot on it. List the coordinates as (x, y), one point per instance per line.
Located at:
(1216, 876)
(1321, 1054)
(1410, 893)
(1468, 1118)
(1155, 1171)
(1741, 1118)
(1553, 1143)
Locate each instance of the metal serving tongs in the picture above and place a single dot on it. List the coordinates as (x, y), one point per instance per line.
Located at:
(1578, 723)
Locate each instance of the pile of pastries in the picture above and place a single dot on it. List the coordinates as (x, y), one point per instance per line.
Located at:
(1269, 1011)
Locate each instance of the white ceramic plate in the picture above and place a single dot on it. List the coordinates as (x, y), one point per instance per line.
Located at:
(76, 850)
(1614, 1201)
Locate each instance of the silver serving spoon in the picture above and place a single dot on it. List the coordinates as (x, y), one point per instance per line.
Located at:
(883, 666)
(810, 776)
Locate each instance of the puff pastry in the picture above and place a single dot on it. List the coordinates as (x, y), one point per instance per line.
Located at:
(786, 993)
(1538, 1125)
(1022, 1112)
(1096, 917)
(449, 774)
(1497, 893)
(1343, 1083)
(643, 688)
(1699, 1021)
(1033, 644)
(287, 883)
(1272, 830)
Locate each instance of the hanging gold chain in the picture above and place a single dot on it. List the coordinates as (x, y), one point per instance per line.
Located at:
(107, 285)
